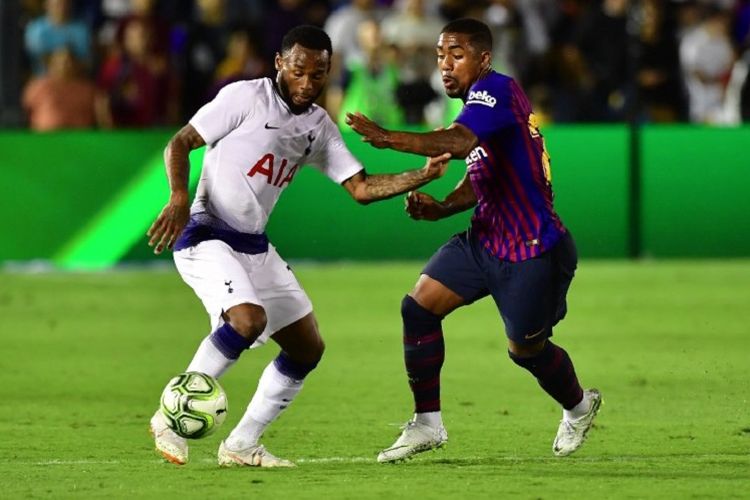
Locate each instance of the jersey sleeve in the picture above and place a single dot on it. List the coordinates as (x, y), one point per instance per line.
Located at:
(233, 104)
(488, 108)
(332, 157)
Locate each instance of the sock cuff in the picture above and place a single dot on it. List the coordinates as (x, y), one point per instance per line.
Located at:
(292, 369)
(412, 309)
(229, 342)
(543, 356)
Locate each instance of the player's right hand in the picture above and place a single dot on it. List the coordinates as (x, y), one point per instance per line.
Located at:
(437, 165)
(422, 206)
(369, 130)
(169, 224)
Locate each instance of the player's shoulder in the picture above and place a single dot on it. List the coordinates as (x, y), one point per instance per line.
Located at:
(489, 89)
(247, 96)
(259, 86)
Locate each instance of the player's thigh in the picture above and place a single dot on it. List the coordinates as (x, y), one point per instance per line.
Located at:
(301, 340)
(452, 277)
(565, 262)
(281, 294)
(522, 292)
(218, 276)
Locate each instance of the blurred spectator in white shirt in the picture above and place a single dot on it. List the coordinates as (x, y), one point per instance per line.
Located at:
(342, 26)
(707, 57)
(413, 34)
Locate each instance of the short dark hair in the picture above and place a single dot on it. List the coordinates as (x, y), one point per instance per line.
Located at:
(479, 33)
(310, 37)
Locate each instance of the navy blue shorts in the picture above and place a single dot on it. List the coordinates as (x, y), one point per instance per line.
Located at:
(530, 295)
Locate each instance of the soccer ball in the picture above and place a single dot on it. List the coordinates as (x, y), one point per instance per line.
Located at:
(194, 404)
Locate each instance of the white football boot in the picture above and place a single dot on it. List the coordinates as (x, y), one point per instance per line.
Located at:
(572, 433)
(253, 456)
(171, 446)
(414, 439)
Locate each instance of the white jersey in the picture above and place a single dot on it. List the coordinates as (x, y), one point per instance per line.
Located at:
(255, 147)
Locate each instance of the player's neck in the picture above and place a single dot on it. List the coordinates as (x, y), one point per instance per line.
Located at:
(289, 104)
(482, 74)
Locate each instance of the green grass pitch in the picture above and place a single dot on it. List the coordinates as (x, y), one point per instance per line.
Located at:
(85, 356)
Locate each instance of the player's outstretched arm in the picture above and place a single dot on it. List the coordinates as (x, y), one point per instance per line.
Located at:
(422, 206)
(367, 188)
(173, 217)
(456, 139)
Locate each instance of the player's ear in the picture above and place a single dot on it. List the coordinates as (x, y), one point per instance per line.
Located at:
(486, 60)
(277, 62)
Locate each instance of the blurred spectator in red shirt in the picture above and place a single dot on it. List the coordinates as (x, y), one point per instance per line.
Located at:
(145, 11)
(136, 79)
(62, 98)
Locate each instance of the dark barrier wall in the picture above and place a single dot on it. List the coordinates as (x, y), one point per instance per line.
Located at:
(87, 198)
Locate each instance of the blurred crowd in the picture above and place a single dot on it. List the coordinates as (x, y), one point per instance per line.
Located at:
(146, 63)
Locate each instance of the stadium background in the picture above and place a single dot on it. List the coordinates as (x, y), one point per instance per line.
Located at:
(652, 180)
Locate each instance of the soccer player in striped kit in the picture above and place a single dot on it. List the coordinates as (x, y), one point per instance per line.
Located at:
(516, 250)
(258, 134)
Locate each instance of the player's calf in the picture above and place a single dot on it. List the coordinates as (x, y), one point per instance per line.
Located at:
(554, 372)
(424, 353)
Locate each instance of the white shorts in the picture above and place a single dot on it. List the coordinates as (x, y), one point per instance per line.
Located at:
(223, 278)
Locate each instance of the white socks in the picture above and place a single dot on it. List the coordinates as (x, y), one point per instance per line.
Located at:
(210, 360)
(432, 419)
(578, 410)
(275, 392)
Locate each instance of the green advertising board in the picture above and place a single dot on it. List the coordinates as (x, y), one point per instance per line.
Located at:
(85, 199)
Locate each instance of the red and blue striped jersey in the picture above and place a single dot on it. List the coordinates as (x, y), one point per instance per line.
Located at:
(509, 170)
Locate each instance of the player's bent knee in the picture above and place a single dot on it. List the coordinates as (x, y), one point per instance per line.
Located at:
(413, 310)
(249, 320)
(316, 353)
(416, 319)
(311, 353)
(435, 297)
(407, 306)
(518, 350)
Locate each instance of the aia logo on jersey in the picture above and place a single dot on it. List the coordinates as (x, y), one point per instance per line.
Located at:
(275, 173)
(481, 97)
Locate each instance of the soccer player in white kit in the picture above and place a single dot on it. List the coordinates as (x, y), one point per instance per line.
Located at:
(258, 134)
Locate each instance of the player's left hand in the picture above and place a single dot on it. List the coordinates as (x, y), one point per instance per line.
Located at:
(369, 130)
(168, 225)
(422, 206)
